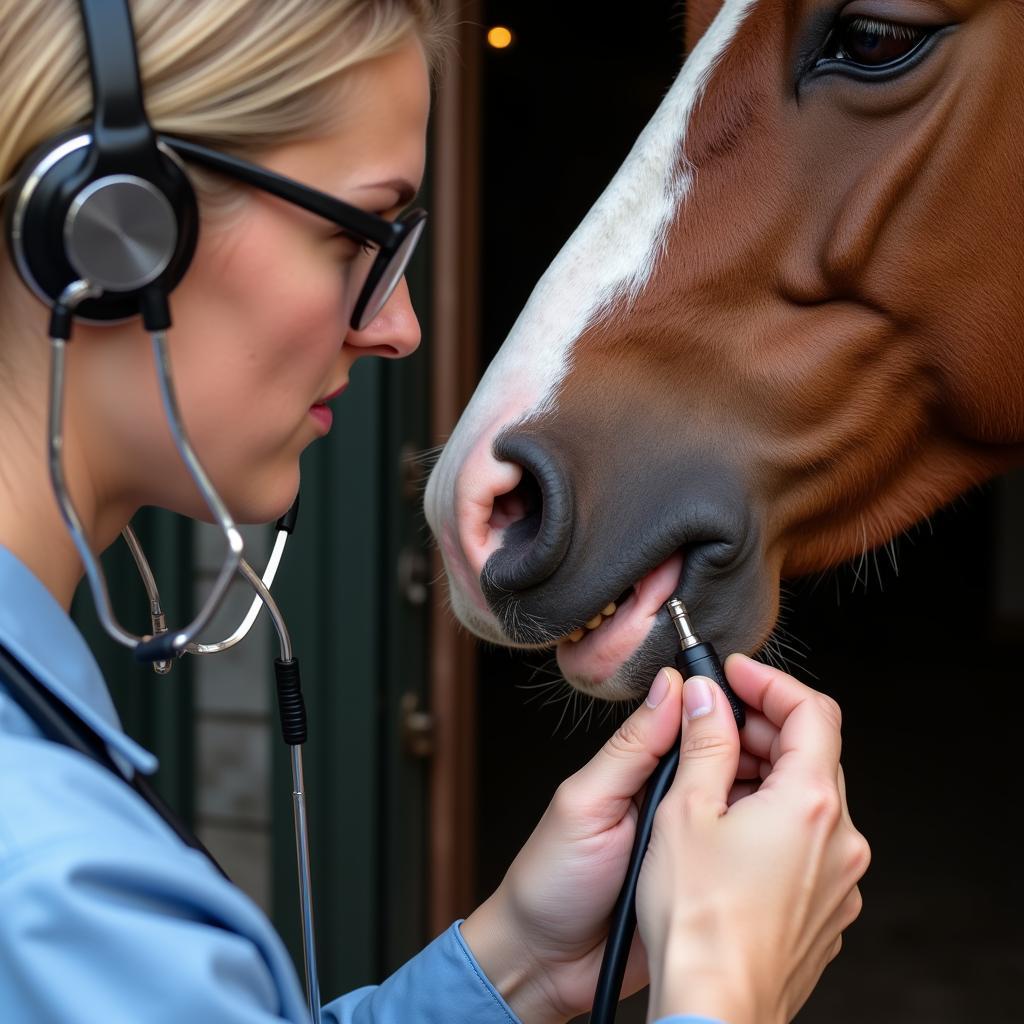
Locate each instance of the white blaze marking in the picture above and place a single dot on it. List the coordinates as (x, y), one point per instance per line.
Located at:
(610, 256)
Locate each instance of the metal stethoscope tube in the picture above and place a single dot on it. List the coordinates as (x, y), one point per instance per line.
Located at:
(156, 613)
(164, 645)
(294, 727)
(292, 712)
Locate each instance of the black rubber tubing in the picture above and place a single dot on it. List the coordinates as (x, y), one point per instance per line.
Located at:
(701, 660)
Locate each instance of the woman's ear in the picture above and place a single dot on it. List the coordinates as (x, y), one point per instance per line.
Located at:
(699, 15)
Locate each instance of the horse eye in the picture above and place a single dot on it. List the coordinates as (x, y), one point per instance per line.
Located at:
(871, 43)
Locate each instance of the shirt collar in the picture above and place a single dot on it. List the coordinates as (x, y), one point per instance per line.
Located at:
(41, 635)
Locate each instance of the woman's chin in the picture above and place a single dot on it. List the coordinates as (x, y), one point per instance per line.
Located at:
(267, 508)
(250, 504)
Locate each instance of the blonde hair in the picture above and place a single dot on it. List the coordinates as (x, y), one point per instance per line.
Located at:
(239, 75)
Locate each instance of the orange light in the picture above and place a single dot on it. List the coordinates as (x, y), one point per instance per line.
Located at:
(499, 37)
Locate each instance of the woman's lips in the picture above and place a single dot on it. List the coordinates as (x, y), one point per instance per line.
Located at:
(321, 414)
(592, 661)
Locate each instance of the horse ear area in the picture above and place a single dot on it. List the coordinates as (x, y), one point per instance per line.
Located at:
(699, 15)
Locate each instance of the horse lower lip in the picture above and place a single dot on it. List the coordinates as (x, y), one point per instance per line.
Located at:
(601, 652)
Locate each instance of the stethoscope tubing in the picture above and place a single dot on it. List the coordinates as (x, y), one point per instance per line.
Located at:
(161, 646)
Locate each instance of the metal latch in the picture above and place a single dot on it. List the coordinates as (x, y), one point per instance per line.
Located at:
(413, 576)
(417, 727)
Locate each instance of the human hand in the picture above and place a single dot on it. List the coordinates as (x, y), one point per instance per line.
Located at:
(540, 936)
(746, 889)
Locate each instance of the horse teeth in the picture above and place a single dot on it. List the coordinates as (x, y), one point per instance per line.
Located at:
(609, 609)
(576, 635)
(595, 622)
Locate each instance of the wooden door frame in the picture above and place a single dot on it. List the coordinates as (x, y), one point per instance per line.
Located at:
(455, 168)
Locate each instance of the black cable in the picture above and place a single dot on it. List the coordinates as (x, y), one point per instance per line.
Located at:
(697, 658)
(623, 920)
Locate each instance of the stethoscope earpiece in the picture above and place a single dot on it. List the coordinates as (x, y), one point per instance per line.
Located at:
(121, 232)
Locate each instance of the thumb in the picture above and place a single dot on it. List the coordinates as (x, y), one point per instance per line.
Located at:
(710, 746)
(613, 776)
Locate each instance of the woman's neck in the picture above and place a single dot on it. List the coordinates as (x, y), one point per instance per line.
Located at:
(48, 553)
(31, 524)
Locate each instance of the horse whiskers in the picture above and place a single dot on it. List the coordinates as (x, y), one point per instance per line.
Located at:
(426, 457)
(797, 647)
(555, 680)
(579, 707)
(890, 548)
(862, 563)
(551, 689)
(780, 642)
(520, 624)
(544, 684)
(569, 698)
(778, 648)
(577, 716)
(547, 670)
(429, 541)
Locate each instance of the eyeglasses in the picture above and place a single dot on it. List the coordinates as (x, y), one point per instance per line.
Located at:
(395, 240)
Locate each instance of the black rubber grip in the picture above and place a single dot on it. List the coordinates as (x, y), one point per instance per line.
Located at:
(60, 322)
(702, 660)
(155, 309)
(290, 702)
(156, 648)
(290, 518)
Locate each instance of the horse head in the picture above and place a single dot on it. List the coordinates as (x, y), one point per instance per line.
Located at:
(788, 329)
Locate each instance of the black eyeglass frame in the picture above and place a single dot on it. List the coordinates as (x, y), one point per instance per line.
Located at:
(387, 235)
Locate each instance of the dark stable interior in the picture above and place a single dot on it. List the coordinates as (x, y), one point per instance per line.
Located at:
(925, 662)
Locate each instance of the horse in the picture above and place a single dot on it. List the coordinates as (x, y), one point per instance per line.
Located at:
(787, 330)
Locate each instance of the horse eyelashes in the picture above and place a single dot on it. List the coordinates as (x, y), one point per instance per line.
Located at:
(872, 43)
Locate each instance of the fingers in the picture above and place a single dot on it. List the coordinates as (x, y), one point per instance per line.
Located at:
(758, 735)
(766, 689)
(606, 783)
(637, 971)
(710, 747)
(845, 810)
(742, 789)
(831, 935)
(749, 767)
(809, 740)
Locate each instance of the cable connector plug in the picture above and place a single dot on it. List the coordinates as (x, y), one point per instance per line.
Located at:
(697, 658)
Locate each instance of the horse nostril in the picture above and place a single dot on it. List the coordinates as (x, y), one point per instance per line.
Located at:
(523, 504)
(536, 517)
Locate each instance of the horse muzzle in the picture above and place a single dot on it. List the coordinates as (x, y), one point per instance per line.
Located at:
(584, 563)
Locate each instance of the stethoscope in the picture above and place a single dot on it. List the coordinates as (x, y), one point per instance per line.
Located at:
(163, 646)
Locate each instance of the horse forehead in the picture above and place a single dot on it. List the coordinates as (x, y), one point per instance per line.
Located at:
(612, 253)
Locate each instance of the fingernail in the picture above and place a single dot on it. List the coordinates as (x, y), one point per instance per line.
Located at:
(656, 694)
(698, 697)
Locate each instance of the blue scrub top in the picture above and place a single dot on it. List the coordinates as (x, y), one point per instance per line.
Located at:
(105, 915)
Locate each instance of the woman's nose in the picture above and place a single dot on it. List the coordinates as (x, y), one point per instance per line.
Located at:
(394, 332)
